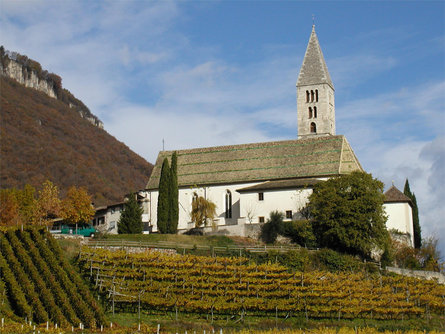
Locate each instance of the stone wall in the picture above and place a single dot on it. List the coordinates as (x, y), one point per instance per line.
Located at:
(429, 275)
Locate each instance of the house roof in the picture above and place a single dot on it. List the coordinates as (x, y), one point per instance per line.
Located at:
(278, 160)
(314, 69)
(394, 195)
(281, 184)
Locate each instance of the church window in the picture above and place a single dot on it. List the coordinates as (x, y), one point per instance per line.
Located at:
(316, 95)
(228, 204)
(312, 96)
(310, 112)
(307, 96)
(289, 214)
(261, 196)
(315, 112)
(260, 219)
(313, 128)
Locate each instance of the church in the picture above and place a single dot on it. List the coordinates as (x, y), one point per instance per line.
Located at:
(248, 181)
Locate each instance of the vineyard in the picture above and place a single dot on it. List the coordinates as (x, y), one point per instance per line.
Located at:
(37, 283)
(221, 287)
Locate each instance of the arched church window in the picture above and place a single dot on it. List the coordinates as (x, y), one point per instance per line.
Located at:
(310, 112)
(307, 96)
(315, 112)
(228, 204)
(316, 95)
(312, 96)
(313, 128)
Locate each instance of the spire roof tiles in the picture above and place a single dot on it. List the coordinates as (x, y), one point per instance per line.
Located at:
(314, 70)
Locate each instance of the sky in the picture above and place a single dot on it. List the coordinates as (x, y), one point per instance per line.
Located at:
(206, 73)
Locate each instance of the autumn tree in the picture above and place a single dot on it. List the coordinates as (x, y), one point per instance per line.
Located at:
(19, 206)
(203, 211)
(9, 208)
(130, 221)
(48, 203)
(348, 214)
(173, 208)
(416, 224)
(76, 207)
(163, 198)
(28, 208)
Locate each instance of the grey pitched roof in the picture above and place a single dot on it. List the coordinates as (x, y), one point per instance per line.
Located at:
(314, 69)
(394, 195)
(281, 184)
(279, 160)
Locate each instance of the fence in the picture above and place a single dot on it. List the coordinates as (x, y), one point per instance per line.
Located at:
(125, 244)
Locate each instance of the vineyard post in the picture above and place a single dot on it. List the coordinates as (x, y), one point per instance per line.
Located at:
(114, 293)
(276, 315)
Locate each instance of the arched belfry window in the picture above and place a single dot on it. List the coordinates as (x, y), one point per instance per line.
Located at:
(228, 204)
(313, 128)
(307, 96)
(315, 112)
(316, 95)
(312, 96)
(310, 112)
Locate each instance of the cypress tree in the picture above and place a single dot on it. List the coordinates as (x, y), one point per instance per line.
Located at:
(416, 223)
(163, 198)
(173, 197)
(130, 221)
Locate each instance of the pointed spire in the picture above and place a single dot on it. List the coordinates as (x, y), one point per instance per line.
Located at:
(314, 70)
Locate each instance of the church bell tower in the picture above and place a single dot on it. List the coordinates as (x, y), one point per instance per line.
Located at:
(315, 94)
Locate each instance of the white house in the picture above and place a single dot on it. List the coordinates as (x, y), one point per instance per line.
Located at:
(399, 210)
(106, 217)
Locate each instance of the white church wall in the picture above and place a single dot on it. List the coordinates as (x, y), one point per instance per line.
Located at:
(247, 208)
(400, 218)
(252, 208)
(216, 194)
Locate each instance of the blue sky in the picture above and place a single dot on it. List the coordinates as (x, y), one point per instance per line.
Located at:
(224, 72)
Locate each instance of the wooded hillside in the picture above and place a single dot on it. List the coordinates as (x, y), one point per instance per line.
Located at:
(42, 138)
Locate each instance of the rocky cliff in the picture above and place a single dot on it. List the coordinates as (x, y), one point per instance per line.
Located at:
(29, 73)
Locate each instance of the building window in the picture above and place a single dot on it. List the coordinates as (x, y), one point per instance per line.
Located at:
(310, 112)
(260, 219)
(228, 204)
(261, 196)
(315, 112)
(307, 96)
(312, 96)
(313, 128)
(112, 210)
(316, 95)
(289, 214)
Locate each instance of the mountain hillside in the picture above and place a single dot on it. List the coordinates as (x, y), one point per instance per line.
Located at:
(44, 138)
